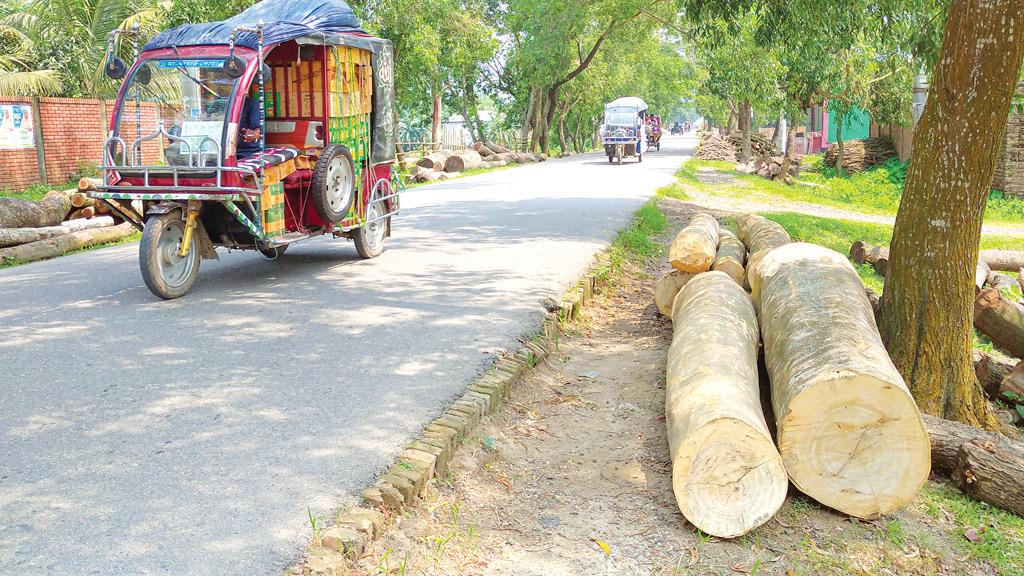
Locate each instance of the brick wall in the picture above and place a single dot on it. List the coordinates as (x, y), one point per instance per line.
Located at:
(902, 137)
(1009, 175)
(73, 133)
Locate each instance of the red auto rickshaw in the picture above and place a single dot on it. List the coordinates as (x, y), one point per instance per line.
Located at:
(265, 129)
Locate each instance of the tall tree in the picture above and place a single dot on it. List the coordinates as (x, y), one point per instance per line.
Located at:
(926, 312)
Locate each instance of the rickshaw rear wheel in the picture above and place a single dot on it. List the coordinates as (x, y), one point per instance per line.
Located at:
(334, 184)
(168, 275)
(369, 239)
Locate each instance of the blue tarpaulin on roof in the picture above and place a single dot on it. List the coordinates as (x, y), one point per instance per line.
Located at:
(283, 20)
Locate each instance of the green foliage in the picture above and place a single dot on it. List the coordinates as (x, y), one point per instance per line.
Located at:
(897, 170)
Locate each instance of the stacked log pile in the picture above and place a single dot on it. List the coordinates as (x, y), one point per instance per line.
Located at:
(859, 155)
(445, 164)
(761, 147)
(713, 147)
(62, 221)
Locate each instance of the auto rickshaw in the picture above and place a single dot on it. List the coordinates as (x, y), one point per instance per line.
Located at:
(653, 132)
(623, 132)
(270, 127)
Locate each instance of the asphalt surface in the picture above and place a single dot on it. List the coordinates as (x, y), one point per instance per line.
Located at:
(191, 436)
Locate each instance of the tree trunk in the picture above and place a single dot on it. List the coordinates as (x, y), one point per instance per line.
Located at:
(878, 258)
(435, 118)
(788, 156)
(925, 316)
(666, 288)
(727, 475)
(524, 132)
(56, 246)
(744, 123)
(849, 432)
(839, 142)
(49, 211)
(730, 256)
(694, 248)
(1001, 320)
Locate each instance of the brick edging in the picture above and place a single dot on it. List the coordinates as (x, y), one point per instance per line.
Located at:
(426, 457)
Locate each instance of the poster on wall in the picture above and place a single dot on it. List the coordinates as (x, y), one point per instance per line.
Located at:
(16, 130)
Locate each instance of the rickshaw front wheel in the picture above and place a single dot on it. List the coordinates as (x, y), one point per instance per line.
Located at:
(167, 275)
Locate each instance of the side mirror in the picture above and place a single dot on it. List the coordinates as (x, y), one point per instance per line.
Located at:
(143, 75)
(234, 66)
(115, 68)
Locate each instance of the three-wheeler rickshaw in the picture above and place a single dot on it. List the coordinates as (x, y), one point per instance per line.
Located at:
(270, 127)
(654, 130)
(624, 129)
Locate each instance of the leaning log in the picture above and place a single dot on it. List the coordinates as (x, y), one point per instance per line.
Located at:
(727, 475)
(760, 235)
(694, 248)
(49, 211)
(1001, 320)
(730, 257)
(463, 161)
(849, 431)
(986, 466)
(666, 288)
(52, 247)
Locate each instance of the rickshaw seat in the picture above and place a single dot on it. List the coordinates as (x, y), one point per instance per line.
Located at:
(271, 157)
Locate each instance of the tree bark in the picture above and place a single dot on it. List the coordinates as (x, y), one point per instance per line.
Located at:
(694, 248)
(1001, 320)
(435, 118)
(727, 475)
(524, 132)
(839, 143)
(925, 316)
(744, 123)
(849, 432)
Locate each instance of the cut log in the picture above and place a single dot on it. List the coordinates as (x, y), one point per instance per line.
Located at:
(1003, 260)
(694, 248)
(727, 475)
(87, 212)
(849, 431)
(730, 257)
(981, 272)
(434, 161)
(428, 176)
(76, 240)
(760, 235)
(102, 207)
(990, 371)
(49, 211)
(985, 465)
(877, 256)
(17, 236)
(89, 184)
(666, 288)
(81, 200)
(463, 161)
(1001, 281)
(1001, 320)
(1012, 385)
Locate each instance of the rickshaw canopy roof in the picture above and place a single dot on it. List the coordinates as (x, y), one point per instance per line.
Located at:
(306, 21)
(628, 102)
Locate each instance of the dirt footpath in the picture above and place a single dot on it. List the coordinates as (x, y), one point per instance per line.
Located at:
(572, 476)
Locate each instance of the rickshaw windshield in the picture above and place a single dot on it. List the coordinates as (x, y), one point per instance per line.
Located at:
(189, 97)
(620, 117)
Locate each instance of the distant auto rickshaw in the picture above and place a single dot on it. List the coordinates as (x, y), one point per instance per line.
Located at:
(653, 131)
(267, 128)
(623, 134)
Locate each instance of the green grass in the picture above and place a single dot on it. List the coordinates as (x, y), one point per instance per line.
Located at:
(673, 190)
(869, 192)
(1002, 533)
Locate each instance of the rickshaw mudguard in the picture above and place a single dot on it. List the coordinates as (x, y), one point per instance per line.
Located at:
(201, 240)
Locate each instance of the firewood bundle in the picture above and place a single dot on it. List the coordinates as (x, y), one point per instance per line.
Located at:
(445, 164)
(760, 146)
(714, 147)
(859, 155)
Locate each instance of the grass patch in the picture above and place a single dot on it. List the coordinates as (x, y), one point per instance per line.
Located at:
(636, 243)
(874, 191)
(1001, 533)
(673, 190)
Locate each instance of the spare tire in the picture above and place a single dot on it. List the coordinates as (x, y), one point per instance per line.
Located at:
(334, 184)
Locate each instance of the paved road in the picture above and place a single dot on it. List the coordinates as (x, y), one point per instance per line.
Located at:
(189, 437)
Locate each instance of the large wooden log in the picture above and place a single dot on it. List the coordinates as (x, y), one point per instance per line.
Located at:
(727, 475)
(1003, 260)
(981, 272)
(990, 371)
(18, 236)
(434, 161)
(876, 256)
(694, 248)
(49, 211)
(761, 235)
(985, 465)
(731, 256)
(463, 161)
(1012, 385)
(1001, 320)
(849, 431)
(59, 245)
(666, 288)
